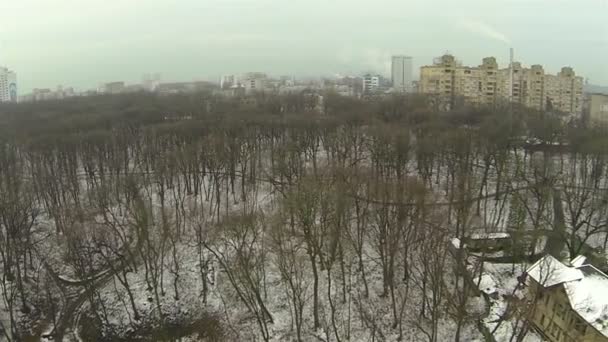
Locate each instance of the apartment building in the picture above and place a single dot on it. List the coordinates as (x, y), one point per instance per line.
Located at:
(569, 301)
(371, 83)
(598, 109)
(487, 84)
(564, 92)
(254, 82)
(8, 85)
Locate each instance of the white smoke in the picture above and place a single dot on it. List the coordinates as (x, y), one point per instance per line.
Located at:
(485, 30)
(370, 59)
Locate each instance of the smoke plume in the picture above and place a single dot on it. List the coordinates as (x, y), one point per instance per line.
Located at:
(485, 30)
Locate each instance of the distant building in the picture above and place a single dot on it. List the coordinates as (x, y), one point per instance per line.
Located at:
(254, 81)
(569, 301)
(564, 92)
(598, 109)
(46, 94)
(287, 80)
(401, 73)
(371, 83)
(183, 87)
(486, 84)
(234, 91)
(8, 85)
(151, 81)
(113, 88)
(134, 88)
(228, 81)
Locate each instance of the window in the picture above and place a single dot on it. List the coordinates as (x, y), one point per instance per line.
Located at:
(542, 320)
(555, 330)
(559, 310)
(579, 325)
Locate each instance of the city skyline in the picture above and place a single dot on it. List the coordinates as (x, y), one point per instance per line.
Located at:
(57, 43)
(386, 72)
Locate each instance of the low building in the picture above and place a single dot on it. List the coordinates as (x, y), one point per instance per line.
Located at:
(183, 87)
(47, 94)
(569, 301)
(488, 242)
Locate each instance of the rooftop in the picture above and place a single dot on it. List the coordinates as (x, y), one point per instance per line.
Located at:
(585, 285)
(549, 272)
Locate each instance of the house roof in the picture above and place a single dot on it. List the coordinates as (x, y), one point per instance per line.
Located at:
(588, 297)
(489, 236)
(549, 271)
(585, 286)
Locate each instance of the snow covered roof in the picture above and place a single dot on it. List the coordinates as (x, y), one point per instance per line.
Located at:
(487, 284)
(484, 236)
(578, 261)
(585, 285)
(456, 243)
(588, 297)
(549, 271)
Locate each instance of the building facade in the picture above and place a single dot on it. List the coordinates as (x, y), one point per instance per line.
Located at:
(8, 85)
(227, 81)
(488, 84)
(568, 301)
(113, 88)
(598, 109)
(401, 73)
(371, 83)
(254, 82)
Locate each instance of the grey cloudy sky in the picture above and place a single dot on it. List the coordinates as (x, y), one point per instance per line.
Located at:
(85, 42)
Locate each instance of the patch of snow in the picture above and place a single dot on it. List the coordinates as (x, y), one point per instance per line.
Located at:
(578, 261)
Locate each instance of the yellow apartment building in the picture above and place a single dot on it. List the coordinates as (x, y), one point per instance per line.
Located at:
(570, 302)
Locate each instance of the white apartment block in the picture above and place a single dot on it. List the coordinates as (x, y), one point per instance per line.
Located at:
(8, 85)
(486, 84)
(401, 73)
(371, 83)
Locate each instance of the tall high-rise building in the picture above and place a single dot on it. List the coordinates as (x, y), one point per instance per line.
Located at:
(486, 84)
(8, 85)
(401, 73)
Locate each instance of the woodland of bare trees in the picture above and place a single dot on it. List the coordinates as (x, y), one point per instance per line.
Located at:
(145, 217)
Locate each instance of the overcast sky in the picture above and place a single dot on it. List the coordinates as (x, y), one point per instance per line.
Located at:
(83, 43)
